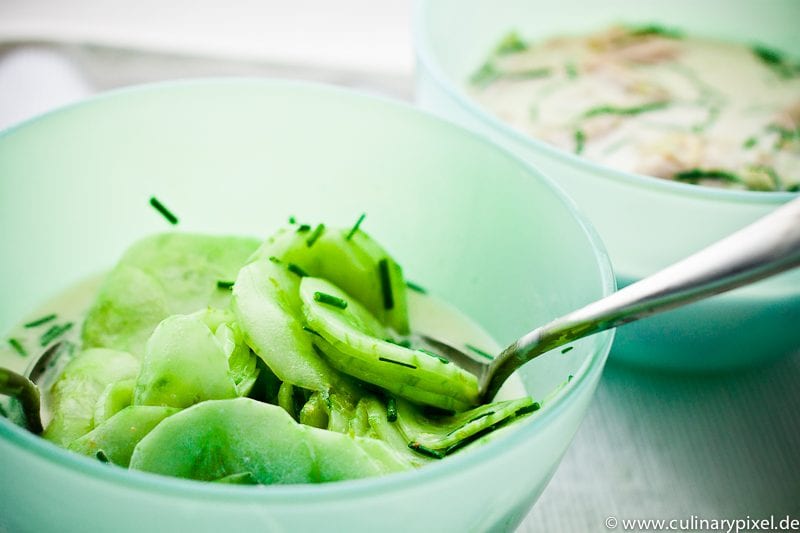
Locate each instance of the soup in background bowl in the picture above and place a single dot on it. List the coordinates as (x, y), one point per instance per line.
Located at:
(646, 222)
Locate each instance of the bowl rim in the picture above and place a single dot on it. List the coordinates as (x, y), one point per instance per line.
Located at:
(305, 494)
(426, 61)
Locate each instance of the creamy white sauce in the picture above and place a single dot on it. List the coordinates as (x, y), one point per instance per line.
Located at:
(711, 105)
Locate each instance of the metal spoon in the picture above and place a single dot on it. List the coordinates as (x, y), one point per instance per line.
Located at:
(764, 248)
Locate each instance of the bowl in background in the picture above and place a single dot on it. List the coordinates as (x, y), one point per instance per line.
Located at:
(239, 157)
(647, 223)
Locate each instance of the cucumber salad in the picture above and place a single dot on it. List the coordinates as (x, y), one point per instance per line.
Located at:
(294, 360)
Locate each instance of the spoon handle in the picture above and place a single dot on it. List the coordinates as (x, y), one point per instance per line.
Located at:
(764, 248)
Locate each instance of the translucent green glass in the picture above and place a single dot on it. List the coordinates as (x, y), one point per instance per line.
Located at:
(468, 221)
(647, 223)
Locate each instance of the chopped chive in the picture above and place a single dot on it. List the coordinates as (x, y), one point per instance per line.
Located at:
(696, 174)
(635, 110)
(580, 141)
(387, 360)
(386, 283)
(302, 228)
(354, 229)
(275, 260)
(292, 220)
(294, 269)
(569, 378)
(511, 44)
(315, 235)
(391, 409)
(485, 75)
(54, 332)
(568, 348)
(483, 415)
(166, 213)
(40, 321)
(329, 299)
(419, 448)
(221, 284)
(18, 347)
(535, 406)
(768, 55)
(479, 351)
(312, 331)
(655, 29)
(405, 343)
(530, 74)
(749, 143)
(435, 355)
(417, 288)
(572, 70)
(102, 457)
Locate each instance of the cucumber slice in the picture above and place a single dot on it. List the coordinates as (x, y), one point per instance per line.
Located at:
(356, 347)
(119, 435)
(267, 306)
(115, 397)
(220, 438)
(358, 264)
(77, 390)
(183, 365)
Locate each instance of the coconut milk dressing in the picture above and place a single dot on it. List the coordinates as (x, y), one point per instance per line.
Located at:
(685, 108)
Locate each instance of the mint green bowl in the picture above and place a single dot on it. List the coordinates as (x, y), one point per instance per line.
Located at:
(647, 223)
(240, 156)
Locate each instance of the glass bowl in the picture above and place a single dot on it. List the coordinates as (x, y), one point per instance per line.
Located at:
(647, 223)
(240, 157)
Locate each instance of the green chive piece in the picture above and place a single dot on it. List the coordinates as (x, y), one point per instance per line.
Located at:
(485, 75)
(54, 332)
(530, 74)
(528, 409)
(18, 347)
(417, 288)
(400, 363)
(102, 457)
(768, 55)
(40, 321)
(391, 409)
(312, 331)
(329, 299)
(315, 235)
(567, 349)
(435, 355)
(292, 220)
(354, 229)
(749, 143)
(479, 351)
(512, 43)
(580, 141)
(482, 415)
(275, 260)
(302, 228)
(569, 378)
(696, 174)
(655, 29)
(386, 284)
(405, 343)
(571, 70)
(625, 111)
(161, 208)
(221, 284)
(294, 269)
(419, 448)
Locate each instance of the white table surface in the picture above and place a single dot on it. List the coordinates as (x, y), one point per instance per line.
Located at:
(652, 446)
